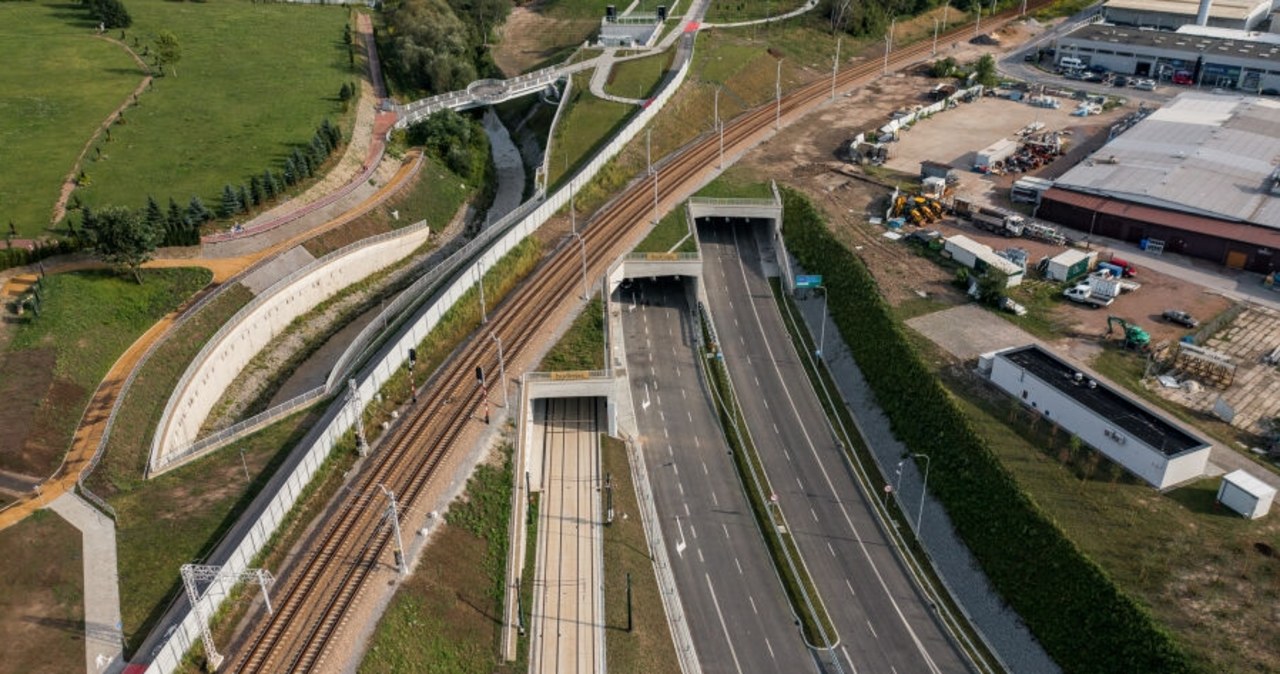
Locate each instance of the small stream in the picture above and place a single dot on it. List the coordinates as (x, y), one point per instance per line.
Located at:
(313, 372)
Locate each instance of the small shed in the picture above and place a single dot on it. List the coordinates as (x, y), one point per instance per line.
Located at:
(980, 257)
(997, 152)
(1070, 264)
(935, 169)
(1246, 494)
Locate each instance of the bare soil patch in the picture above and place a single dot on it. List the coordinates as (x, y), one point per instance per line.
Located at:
(530, 37)
(42, 604)
(21, 376)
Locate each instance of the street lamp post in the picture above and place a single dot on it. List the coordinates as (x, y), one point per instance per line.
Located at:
(822, 332)
(923, 490)
(502, 370)
(719, 126)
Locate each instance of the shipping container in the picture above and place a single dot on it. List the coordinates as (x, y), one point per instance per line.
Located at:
(1070, 264)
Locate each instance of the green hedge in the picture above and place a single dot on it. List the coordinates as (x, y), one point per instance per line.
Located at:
(1080, 617)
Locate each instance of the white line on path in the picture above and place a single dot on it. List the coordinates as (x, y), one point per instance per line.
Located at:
(738, 564)
(723, 627)
(873, 630)
(833, 550)
(726, 529)
(753, 604)
(850, 586)
(814, 513)
(715, 501)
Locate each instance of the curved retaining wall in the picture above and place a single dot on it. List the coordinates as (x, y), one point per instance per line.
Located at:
(247, 539)
(231, 349)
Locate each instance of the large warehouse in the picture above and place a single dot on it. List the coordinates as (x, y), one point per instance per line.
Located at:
(1211, 57)
(1200, 177)
(1127, 432)
(1169, 14)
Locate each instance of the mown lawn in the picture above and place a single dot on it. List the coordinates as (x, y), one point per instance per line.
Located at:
(58, 84)
(87, 320)
(42, 596)
(254, 80)
(729, 11)
(638, 78)
(584, 127)
(673, 229)
(582, 346)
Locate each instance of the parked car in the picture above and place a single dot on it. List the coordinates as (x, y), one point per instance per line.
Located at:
(1144, 84)
(1180, 317)
(1183, 78)
(1121, 81)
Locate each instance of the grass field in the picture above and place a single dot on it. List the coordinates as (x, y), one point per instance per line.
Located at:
(638, 78)
(42, 603)
(729, 11)
(255, 79)
(88, 319)
(582, 346)
(126, 456)
(58, 84)
(586, 125)
(181, 515)
(736, 184)
(442, 619)
(647, 647)
(1193, 564)
(670, 236)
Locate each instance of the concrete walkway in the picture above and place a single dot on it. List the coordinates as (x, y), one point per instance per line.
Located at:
(102, 629)
(600, 77)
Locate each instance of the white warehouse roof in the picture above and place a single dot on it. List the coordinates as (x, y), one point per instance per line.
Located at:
(1220, 9)
(1208, 154)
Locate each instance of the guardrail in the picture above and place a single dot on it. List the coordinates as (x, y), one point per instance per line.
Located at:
(732, 201)
(663, 257)
(197, 449)
(234, 322)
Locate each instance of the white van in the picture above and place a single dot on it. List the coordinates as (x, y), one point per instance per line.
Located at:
(1070, 63)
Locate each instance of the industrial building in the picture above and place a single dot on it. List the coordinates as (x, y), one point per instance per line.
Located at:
(1126, 431)
(1169, 14)
(1210, 57)
(1198, 177)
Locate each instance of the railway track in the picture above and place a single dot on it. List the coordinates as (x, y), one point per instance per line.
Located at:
(313, 599)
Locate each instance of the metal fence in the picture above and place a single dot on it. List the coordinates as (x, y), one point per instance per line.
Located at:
(340, 416)
(236, 321)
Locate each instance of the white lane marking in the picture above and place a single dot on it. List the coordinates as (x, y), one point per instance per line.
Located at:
(704, 468)
(933, 667)
(690, 415)
(723, 627)
(833, 550)
(787, 454)
(814, 513)
(686, 509)
(775, 430)
(850, 586)
(681, 487)
(715, 501)
(735, 322)
(692, 530)
(743, 341)
(770, 647)
(662, 415)
(726, 529)
(695, 442)
(676, 468)
(682, 394)
(753, 604)
(657, 396)
(738, 564)
(670, 452)
(665, 433)
(700, 559)
(846, 657)
(757, 382)
(873, 630)
(748, 360)
(798, 482)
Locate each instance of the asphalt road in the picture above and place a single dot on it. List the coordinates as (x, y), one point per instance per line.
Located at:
(737, 612)
(883, 623)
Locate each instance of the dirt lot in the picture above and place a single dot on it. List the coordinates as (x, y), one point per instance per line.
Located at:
(954, 137)
(529, 37)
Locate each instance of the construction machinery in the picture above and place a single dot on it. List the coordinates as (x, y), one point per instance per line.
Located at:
(1134, 336)
(919, 210)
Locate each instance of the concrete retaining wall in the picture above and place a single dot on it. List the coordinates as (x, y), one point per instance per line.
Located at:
(340, 417)
(231, 349)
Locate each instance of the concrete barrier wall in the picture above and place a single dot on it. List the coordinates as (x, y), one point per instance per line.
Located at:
(340, 417)
(231, 349)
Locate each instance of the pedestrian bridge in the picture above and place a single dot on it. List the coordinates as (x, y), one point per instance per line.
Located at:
(486, 92)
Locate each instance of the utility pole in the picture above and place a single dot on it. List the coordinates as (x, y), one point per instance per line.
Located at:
(719, 126)
(502, 371)
(648, 151)
(583, 245)
(822, 339)
(835, 68)
(394, 514)
(628, 601)
(573, 209)
(885, 70)
(946, 9)
(484, 391)
(777, 87)
(196, 573)
(608, 498)
(353, 397)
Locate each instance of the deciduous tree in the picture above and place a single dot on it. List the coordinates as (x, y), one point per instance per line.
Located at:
(120, 237)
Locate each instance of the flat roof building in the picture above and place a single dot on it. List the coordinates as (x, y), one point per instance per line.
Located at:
(1199, 176)
(1216, 58)
(1169, 14)
(1128, 432)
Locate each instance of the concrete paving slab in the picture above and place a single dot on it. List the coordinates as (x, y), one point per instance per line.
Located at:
(284, 264)
(103, 637)
(968, 331)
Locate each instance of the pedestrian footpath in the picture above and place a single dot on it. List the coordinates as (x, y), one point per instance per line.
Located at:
(103, 636)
